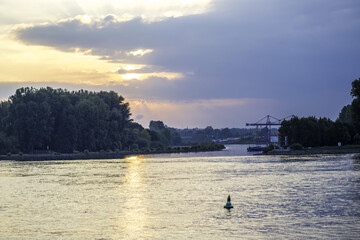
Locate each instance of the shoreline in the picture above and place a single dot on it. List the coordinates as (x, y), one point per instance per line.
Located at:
(91, 156)
(123, 155)
(313, 151)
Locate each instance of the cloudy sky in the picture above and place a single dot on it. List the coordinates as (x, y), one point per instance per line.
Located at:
(190, 63)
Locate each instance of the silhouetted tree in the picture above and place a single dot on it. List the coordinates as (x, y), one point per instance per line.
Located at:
(355, 105)
(313, 132)
(345, 114)
(65, 121)
(156, 125)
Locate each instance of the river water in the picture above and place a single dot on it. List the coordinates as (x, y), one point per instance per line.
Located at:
(181, 196)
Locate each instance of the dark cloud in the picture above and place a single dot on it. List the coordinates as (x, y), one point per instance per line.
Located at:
(303, 53)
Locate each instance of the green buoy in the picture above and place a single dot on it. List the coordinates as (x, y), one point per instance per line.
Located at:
(228, 204)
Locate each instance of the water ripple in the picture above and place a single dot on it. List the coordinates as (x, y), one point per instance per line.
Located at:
(182, 197)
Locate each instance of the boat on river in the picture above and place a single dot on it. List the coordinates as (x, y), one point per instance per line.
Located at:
(255, 149)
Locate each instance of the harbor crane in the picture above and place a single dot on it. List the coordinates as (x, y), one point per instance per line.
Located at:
(270, 121)
(267, 122)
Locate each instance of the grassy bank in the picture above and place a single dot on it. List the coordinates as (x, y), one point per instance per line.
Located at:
(319, 150)
(109, 155)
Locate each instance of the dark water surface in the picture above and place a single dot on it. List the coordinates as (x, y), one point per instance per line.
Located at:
(181, 196)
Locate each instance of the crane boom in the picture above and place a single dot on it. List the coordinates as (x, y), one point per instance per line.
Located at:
(270, 121)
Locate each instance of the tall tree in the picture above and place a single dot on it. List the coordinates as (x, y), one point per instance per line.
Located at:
(156, 125)
(313, 132)
(65, 121)
(355, 105)
(345, 114)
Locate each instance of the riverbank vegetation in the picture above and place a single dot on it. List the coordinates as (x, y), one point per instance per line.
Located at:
(317, 132)
(109, 154)
(46, 120)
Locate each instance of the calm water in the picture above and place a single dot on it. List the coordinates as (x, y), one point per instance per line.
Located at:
(181, 196)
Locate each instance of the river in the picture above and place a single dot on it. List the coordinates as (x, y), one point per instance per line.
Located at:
(181, 196)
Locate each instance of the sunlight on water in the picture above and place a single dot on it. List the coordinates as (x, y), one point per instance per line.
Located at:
(181, 196)
(134, 218)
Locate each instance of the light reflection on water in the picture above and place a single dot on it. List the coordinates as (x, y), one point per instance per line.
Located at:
(181, 196)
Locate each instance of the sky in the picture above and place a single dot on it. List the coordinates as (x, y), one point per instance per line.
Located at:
(189, 63)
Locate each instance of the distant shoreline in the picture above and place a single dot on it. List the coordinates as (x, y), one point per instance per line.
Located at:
(313, 151)
(122, 155)
(92, 156)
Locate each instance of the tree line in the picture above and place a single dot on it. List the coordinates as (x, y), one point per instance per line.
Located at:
(314, 132)
(46, 119)
(191, 136)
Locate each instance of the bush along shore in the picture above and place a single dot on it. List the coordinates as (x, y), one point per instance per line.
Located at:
(109, 155)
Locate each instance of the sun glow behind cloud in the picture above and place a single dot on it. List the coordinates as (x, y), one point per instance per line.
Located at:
(30, 63)
(144, 76)
(130, 67)
(129, 76)
(19, 63)
(23, 11)
(140, 52)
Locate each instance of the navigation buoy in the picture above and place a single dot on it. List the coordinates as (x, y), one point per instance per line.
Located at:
(228, 204)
